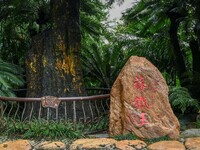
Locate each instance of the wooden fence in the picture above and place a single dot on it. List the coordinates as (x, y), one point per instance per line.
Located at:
(84, 110)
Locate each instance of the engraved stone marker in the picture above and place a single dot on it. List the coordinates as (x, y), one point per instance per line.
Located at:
(139, 102)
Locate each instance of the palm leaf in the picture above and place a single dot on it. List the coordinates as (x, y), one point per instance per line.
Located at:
(10, 77)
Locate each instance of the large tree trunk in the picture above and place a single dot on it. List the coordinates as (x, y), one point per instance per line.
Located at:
(195, 48)
(53, 65)
(191, 83)
(178, 55)
(195, 84)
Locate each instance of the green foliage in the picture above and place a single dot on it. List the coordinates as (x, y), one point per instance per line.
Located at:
(102, 63)
(110, 2)
(17, 20)
(10, 77)
(154, 140)
(181, 100)
(102, 56)
(49, 130)
(198, 124)
(92, 14)
(128, 136)
(145, 33)
(149, 23)
(41, 129)
(99, 125)
(20, 20)
(182, 124)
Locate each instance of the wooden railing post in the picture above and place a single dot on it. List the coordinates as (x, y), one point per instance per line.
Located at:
(74, 114)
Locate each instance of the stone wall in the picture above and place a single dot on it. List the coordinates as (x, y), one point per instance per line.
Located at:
(101, 144)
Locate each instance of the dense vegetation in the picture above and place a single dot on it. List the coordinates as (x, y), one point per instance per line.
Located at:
(165, 32)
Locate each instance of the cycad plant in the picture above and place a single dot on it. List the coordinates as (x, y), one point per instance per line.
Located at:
(10, 77)
(102, 63)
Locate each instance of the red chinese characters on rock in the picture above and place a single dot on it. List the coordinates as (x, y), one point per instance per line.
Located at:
(140, 120)
(140, 101)
(143, 119)
(139, 83)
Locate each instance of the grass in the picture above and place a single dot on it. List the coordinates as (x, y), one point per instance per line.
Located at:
(154, 140)
(128, 136)
(41, 129)
(49, 130)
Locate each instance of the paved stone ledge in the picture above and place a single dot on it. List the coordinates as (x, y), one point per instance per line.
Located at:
(102, 144)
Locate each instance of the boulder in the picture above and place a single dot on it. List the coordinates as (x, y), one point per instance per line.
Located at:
(47, 145)
(98, 143)
(166, 145)
(131, 145)
(139, 102)
(107, 143)
(192, 143)
(16, 145)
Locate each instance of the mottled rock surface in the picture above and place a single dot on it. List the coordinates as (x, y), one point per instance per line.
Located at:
(139, 102)
(190, 133)
(50, 146)
(192, 143)
(16, 145)
(166, 145)
(102, 144)
(99, 143)
(131, 145)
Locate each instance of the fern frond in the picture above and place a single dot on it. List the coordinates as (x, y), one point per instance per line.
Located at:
(181, 100)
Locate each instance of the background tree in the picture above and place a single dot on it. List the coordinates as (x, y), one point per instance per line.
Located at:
(23, 19)
(171, 23)
(53, 66)
(52, 30)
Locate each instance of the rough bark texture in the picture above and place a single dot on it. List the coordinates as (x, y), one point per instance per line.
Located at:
(183, 73)
(195, 48)
(53, 65)
(139, 102)
(178, 55)
(195, 84)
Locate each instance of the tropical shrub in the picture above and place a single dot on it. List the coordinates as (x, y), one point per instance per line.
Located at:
(182, 101)
(102, 64)
(10, 77)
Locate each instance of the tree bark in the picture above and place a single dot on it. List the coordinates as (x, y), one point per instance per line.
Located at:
(195, 48)
(52, 64)
(179, 59)
(195, 85)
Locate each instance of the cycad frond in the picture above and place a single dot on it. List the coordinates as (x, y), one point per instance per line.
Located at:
(10, 77)
(102, 62)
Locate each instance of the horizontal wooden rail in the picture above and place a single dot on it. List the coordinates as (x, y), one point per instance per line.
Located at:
(85, 110)
(96, 88)
(80, 98)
